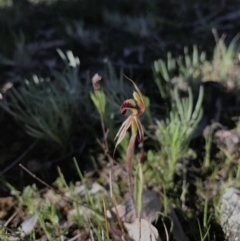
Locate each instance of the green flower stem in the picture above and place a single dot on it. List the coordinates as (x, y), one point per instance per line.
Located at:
(130, 150)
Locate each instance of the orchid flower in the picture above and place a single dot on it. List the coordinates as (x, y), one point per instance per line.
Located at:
(136, 106)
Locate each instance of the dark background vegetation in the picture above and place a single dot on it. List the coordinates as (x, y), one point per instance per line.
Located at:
(130, 35)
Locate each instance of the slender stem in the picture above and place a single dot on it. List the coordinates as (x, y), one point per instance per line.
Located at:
(34, 176)
(129, 170)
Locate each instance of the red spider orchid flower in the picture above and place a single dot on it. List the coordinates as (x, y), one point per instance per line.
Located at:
(136, 106)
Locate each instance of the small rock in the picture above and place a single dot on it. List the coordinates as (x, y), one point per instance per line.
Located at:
(151, 205)
(229, 208)
(227, 139)
(142, 231)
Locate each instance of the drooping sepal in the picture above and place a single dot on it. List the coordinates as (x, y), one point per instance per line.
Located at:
(140, 130)
(122, 131)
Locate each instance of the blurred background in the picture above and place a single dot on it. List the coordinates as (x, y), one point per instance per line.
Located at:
(50, 49)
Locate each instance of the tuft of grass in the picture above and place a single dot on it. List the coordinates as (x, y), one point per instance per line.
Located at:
(47, 108)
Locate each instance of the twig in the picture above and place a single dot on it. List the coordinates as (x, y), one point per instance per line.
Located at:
(19, 158)
(10, 219)
(75, 237)
(34, 176)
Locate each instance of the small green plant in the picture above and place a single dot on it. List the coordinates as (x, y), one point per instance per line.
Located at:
(204, 228)
(190, 66)
(222, 67)
(42, 211)
(174, 135)
(183, 69)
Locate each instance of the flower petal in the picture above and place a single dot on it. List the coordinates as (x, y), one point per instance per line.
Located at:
(128, 105)
(122, 131)
(140, 129)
